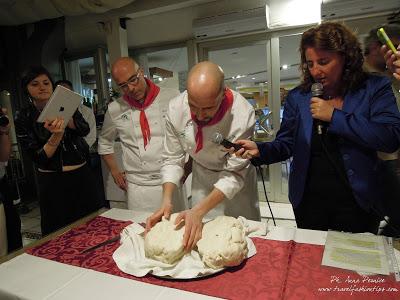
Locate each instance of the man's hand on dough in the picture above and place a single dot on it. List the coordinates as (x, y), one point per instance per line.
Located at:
(193, 227)
(165, 211)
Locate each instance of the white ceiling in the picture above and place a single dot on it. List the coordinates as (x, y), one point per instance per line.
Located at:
(16, 12)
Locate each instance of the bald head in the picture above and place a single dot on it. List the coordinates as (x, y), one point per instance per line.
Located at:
(129, 77)
(205, 86)
(205, 79)
(123, 65)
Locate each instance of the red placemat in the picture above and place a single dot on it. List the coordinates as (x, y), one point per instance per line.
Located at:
(260, 277)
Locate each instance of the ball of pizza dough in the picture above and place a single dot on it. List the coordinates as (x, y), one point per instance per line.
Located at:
(163, 242)
(223, 243)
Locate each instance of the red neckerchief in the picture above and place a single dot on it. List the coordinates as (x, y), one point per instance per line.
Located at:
(152, 93)
(225, 105)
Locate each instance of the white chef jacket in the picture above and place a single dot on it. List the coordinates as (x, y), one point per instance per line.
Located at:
(212, 167)
(142, 166)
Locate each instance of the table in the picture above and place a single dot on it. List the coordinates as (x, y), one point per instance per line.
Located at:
(31, 277)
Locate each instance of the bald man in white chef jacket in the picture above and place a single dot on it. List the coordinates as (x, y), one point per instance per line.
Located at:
(138, 119)
(222, 184)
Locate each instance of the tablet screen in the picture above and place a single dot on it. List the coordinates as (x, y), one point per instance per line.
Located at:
(62, 103)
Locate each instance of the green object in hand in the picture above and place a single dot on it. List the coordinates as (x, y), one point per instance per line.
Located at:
(383, 37)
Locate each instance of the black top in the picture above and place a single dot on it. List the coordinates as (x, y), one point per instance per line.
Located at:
(32, 136)
(326, 172)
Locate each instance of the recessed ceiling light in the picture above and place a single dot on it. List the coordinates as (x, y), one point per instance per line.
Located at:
(253, 78)
(285, 67)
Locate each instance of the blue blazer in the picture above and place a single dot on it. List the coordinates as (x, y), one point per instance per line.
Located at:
(369, 121)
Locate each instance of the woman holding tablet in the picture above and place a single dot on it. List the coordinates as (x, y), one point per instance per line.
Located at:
(66, 186)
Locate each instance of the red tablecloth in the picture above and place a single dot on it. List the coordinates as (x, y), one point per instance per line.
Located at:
(279, 270)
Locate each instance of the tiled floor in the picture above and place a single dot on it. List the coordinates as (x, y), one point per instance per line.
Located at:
(30, 224)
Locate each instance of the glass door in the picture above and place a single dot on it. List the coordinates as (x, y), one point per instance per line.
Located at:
(283, 74)
(289, 66)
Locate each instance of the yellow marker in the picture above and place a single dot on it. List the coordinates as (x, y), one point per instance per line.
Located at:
(383, 37)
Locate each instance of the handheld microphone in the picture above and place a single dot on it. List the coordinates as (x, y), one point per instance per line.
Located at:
(317, 90)
(219, 139)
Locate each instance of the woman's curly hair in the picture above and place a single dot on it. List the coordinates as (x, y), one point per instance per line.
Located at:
(338, 38)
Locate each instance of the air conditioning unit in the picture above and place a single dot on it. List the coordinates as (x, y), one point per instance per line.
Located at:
(352, 8)
(230, 23)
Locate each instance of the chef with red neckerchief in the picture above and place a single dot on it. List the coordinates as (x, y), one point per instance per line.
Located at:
(138, 119)
(221, 184)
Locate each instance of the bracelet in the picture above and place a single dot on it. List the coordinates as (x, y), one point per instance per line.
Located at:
(50, 143)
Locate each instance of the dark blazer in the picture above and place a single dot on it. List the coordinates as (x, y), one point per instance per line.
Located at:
(32, 136)
(369, 121)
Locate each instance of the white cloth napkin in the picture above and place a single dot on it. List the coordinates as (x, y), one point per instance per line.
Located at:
(130, 257)
(254, 228)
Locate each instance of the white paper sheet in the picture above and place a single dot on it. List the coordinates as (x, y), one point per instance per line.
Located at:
(357, 252)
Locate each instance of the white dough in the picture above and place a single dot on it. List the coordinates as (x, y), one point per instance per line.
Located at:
(164, 243)
(223, 243)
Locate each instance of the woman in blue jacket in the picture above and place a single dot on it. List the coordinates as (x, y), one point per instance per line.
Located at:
(333, 183)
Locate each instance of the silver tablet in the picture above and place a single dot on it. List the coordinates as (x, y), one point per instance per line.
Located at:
(62, 103)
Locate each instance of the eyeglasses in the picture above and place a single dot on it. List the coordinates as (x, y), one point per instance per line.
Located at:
(133, 81)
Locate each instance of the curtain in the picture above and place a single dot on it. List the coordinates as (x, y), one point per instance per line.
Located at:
(73, 74)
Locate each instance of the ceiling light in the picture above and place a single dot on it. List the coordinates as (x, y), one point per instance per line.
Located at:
(253, 78)
(285, 67)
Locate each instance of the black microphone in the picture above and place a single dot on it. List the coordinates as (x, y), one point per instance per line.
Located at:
(219, 139)
(317, 90)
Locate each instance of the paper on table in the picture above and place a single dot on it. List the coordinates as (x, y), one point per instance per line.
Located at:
(130, 257)
(357, 252)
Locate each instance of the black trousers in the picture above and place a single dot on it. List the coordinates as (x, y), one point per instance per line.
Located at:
(389, 204)
(66, 197)
(338, 212)
(13, 221)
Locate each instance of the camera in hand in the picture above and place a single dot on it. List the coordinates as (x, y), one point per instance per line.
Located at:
(3, 119)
